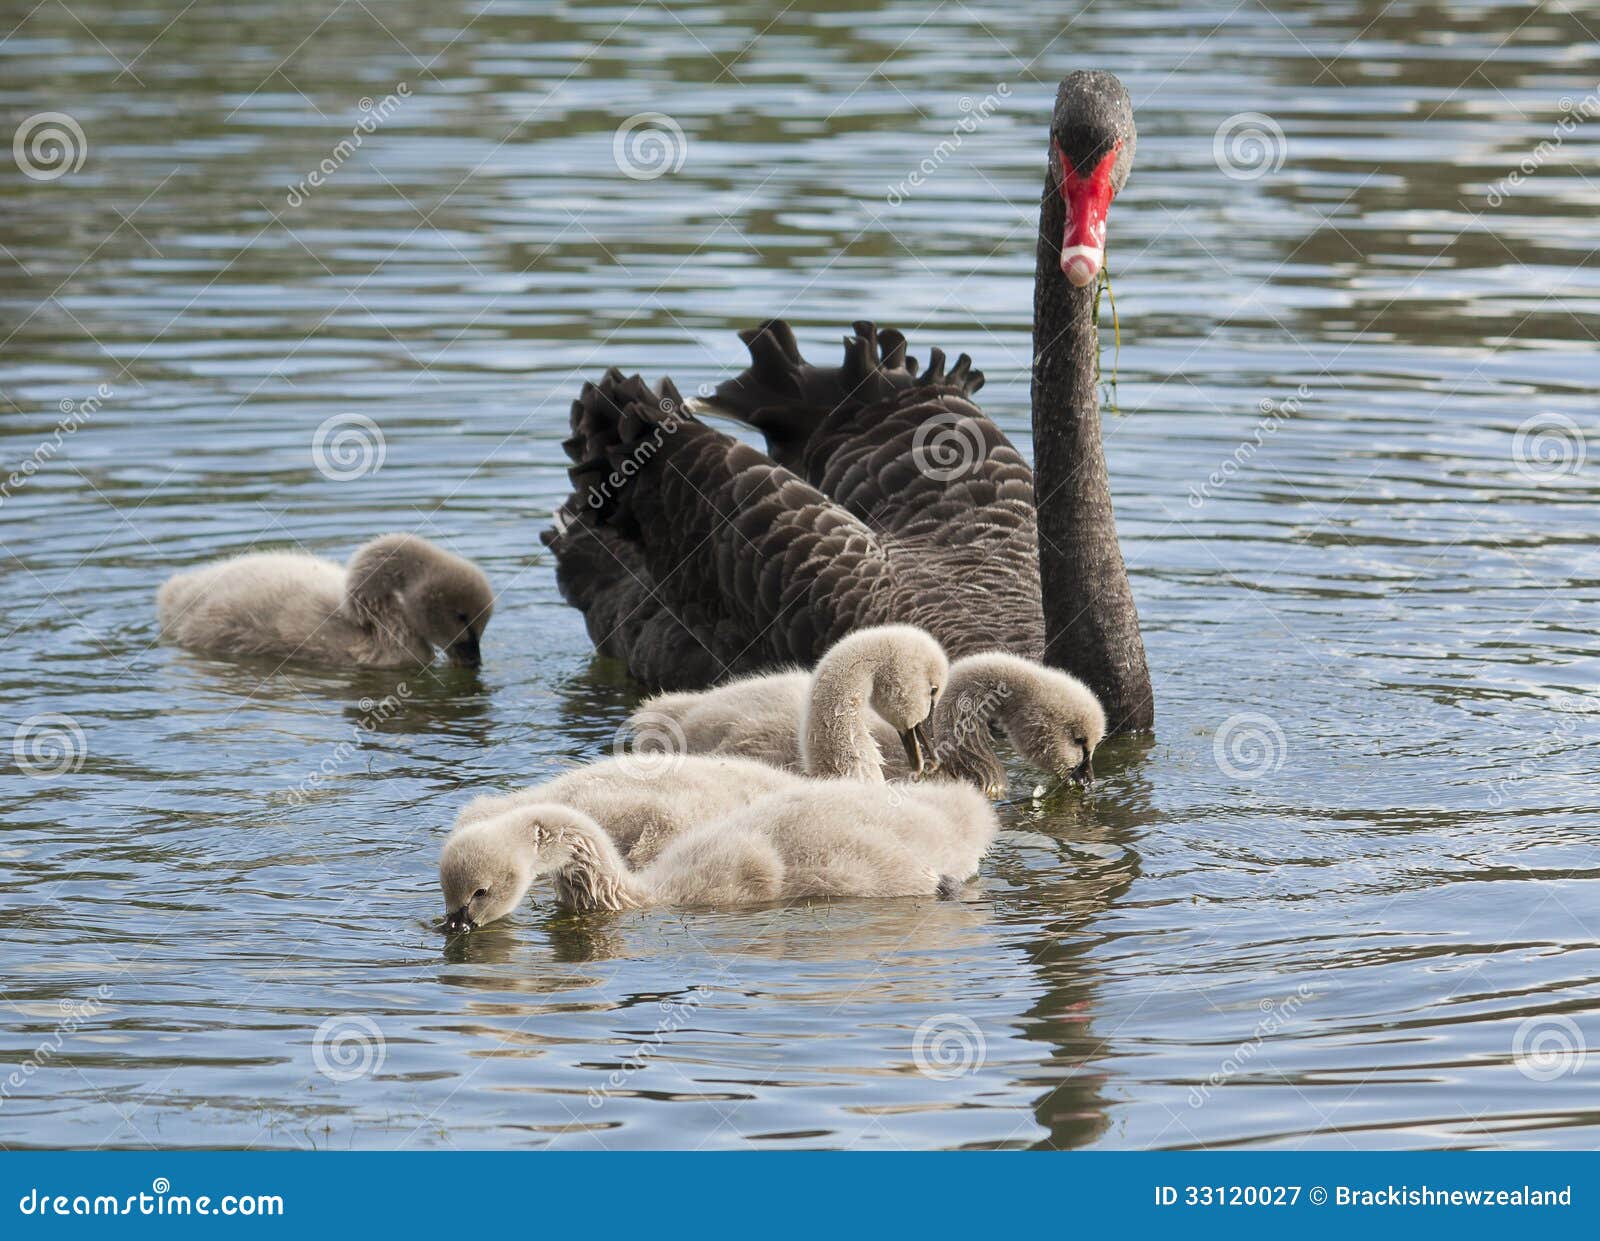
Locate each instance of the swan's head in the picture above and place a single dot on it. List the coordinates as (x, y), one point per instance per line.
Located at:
(898, 671)
(450, 604)
(488, 864)
(1055, 722)
(1092, 138)
(485, 870)
(1052, 719)
(910, 671)
(440, 596)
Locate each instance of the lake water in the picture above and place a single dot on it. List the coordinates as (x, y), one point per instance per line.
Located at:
(1345, 896)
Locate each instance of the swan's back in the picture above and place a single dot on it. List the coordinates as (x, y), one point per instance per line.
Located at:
(907, 451)
(736, 563)
(716, 864)
(836, 842)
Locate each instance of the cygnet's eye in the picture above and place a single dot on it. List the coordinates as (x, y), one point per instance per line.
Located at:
(462, 617)
(480, 894)
(934, 692)
(1082, 743)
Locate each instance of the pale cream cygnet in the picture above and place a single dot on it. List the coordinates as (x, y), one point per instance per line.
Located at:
(399, 599)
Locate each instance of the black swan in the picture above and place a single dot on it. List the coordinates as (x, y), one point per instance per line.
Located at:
(888, 495)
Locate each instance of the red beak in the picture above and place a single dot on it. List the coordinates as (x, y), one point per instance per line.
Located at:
(1083, 241)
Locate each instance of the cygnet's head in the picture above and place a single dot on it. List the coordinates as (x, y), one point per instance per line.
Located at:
(909, 671)
(1052, 719)
(485, 870)
(487, 865)
(439, 596)
(1055, 723)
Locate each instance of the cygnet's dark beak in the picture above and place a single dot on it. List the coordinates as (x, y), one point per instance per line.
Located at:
(1083, 773)
(464, 652)
(915, 740)
(458, 921)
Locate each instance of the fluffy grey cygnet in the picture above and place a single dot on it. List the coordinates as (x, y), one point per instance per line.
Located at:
(824, 838)
(866, 706)
(399, 599)
(1052, 719)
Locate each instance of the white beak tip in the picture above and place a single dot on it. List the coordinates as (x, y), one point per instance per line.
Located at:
(1081, 264)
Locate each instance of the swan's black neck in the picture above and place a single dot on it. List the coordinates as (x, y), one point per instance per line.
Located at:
(1091, 624)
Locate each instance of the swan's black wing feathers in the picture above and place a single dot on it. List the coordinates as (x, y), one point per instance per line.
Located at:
(907, 451)
(604, 576)
(786, 398)
(901, 446)
(752, 566)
